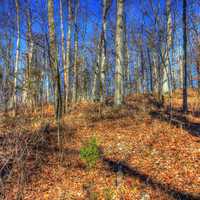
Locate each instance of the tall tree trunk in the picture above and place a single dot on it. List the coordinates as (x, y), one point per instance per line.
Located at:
(53, 54)
(137, 85)
(95, 81)
(75, 70)
(63, 53)
(155, 71)
(118, 98)
(16, 58)
(185, 106)
(47, 84)
(106, 6)
(68, 54)
(198, 65)
(7, 73)
(127, 80)
(159, 77)
(150, 71)
(54, 59)
(198, 74)
(96, 76)
(84, 80)
(190, 77)
(167, 67)
(29, 55)
(142, 68)
(180, 71)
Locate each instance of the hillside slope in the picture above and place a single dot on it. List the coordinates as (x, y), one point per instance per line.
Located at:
(158, 158)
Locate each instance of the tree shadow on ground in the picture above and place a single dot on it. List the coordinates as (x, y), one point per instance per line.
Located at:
(109, 113)
(177, 120)
(176, 117)
(133, 172)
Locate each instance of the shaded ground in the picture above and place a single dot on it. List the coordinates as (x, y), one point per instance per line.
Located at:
(158, 159)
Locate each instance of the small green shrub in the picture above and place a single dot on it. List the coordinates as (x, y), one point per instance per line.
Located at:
(93, 196)
(89, 153)
(108, 194)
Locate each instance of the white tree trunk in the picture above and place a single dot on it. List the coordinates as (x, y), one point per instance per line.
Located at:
(75, 70)
(118, 99)
(167, 68)
(96, 76)
(127, 88)
(27, 96)
(63, 52)
(17, 57)
(68, 54)
(62, 33)
(103, 52)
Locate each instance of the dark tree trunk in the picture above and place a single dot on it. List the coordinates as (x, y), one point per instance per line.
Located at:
(150, 71)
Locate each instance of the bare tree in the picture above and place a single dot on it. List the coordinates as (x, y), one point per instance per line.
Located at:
(16, 58)
(68, 54)
(96, 76)
(118, 99)
(63, 51)
(127, 79)
(75, 70)
(106, 7)
(29, 57)
(167, 67)
(185, 106)
(53, 57)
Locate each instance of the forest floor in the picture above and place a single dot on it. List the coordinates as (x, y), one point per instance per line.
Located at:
(159, 158)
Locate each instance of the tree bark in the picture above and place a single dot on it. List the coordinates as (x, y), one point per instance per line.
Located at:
(54, 59)
(96, 76)
(16, 58)
(185, 105)
(106, 6)
(118, 98)
(167, 67)
(63, 54)
(29, 55)
(150, 71)
(68, 54)
(127, 79)
(75, 70)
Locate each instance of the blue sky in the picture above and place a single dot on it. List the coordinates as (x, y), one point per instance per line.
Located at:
(89, 15)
